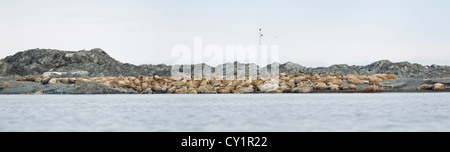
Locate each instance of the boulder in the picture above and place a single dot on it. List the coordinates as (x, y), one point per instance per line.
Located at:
(96, 88)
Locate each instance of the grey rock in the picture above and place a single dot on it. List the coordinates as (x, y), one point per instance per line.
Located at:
(406, 84)
(441, 80)
(95, 88)
(147, 91)
(97, 62)
(393, 84)
(94, 62)
(60, 88)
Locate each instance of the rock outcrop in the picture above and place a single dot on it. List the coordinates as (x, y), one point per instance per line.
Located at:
(97, 63)
(401, 69)
(298, 83)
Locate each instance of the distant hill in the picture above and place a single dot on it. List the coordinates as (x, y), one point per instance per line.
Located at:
(98, 63)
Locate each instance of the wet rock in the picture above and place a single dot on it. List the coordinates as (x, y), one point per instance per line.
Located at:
(147, 91)
(95, 88)
(160, 92)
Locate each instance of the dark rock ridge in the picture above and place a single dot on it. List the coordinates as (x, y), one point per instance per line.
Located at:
(98, 63)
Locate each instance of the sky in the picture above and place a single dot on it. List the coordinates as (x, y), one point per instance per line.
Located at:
(312, 33)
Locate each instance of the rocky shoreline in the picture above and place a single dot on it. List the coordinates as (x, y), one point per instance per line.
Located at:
(95, 72)
(298, 83)
(97, 63)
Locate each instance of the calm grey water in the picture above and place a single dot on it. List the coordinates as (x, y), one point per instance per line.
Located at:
(249, 112)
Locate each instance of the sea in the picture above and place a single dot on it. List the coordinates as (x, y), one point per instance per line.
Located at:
(321, 112)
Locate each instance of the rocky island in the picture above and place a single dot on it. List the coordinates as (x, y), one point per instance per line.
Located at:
(46, 71)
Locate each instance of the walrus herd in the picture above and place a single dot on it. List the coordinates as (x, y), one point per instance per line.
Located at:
(298, 83)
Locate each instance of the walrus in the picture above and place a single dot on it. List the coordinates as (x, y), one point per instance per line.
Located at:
(425, 87)
(334, 87)
(5, 85)
(390, 76)
(38, 80)
(439, 86)
(53, 81)
(321, 86)
(373, 88)
(355, 81)
(353, 87)
(64, 80)
(181, 91)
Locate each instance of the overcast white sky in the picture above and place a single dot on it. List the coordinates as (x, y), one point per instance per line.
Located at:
(309, 32)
